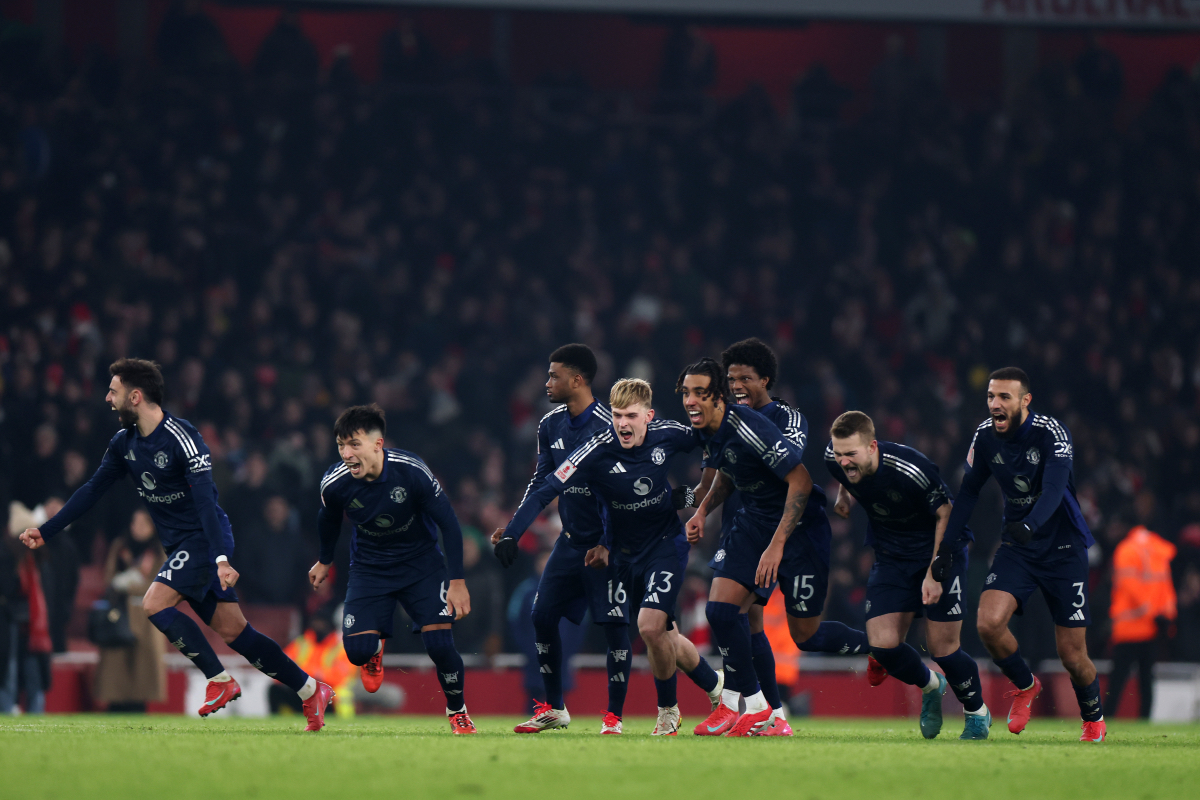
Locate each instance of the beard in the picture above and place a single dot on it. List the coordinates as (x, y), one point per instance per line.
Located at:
(128, 417)
(1014, 423)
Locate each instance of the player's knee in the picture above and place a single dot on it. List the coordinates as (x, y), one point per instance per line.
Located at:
(360, 648)
(544, 621)
(652, 630)
(886, 640)
(721, 615)
(990, 627)
(805, 632)
(228, 630)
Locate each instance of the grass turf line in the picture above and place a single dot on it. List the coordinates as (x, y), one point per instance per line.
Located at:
(101, 756)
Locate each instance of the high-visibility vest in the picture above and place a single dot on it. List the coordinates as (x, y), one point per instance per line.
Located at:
(1142, 587)
(787, 655)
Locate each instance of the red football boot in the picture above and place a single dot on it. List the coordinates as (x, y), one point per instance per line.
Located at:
(1018, 715)
(460, 722)
(218, 695)
(1093, 731)
(751, 724)
(876, 674)
(611, 726)
(778, 727)
(372, 672)
(314, 707)
(719, 721)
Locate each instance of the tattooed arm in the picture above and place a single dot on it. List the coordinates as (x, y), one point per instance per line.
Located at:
(799, 488)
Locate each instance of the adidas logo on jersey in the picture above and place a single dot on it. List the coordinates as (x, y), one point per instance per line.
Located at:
(618, 468)
(997, 459)
(558, 445)
(955, 610)
(616, 612)
(129, 456)
(355, 503)
(1077, 616)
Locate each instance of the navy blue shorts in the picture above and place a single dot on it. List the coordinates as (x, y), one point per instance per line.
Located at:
(738, 555)
(191, 571)
(804, 581)
(895, 587)
(419, 586)
(567, 588)
(652, 579)
(1062, 576)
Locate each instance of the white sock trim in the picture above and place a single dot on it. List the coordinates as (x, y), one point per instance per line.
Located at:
(224, 677)
(933, 683)
(982, 712)
(756, 703)
(308, 689)
(730, 698)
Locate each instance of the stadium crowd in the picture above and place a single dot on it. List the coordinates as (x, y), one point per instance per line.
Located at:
(287, 241)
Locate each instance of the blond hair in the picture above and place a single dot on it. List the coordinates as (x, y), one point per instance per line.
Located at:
(851, 423)
(629, 391)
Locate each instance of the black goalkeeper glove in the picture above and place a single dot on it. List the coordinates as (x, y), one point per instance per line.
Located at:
(1019, 532)
(506, 551)
(941, 566)
(683, 497)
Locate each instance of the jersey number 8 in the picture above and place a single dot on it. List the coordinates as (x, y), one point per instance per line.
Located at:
(177, 561)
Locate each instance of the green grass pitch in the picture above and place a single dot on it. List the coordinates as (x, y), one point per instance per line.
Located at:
(417, 757)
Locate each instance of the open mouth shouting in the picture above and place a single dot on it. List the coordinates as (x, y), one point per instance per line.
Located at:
(741, 398)
(355, 467)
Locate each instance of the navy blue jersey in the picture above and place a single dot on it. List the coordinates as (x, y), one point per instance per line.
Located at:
(396, 516)
(794, 426)
(172, 470)
(754, 454)
(632, 484)
(1035, 471)
(901, 500)
(559, 434)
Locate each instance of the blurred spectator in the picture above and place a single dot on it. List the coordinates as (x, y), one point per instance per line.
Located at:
(127, 678)
(274, 556)
(261, 251)
(481, 631)
(520, 607)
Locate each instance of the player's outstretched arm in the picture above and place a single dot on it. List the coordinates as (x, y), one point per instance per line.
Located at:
(82, 499)
(975, 476)
(799, 488)
(32, 538)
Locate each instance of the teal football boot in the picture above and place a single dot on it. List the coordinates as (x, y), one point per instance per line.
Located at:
(977, 726)
(931, 709)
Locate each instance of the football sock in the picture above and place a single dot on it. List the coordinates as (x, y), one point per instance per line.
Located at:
(360, 647)
(756, 703)
(734, 643)
(834, 637)
(617, 637)
(449, 665)
(904, 664)
(268, 658)
(185, 634)
(1015, 669)
(1089, 700)
(963, 675)
(308, 689)
(704, 676)
(665, 688)
(764, 668)
(548, 643)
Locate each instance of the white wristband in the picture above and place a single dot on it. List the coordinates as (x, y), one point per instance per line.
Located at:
(222, 559)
